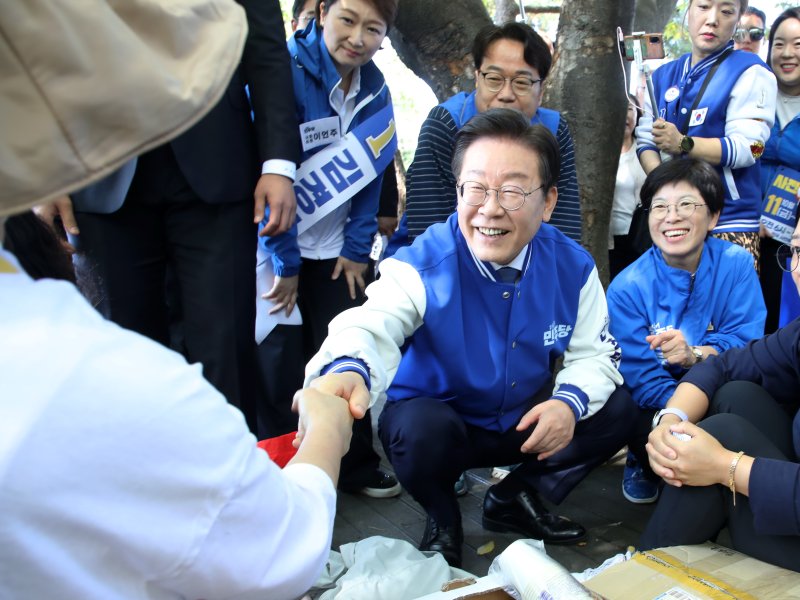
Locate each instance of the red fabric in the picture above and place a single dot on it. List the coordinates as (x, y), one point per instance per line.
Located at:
(279, 448)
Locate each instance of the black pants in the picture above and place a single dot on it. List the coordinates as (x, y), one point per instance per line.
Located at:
(320, 299)
(742, 417)
(770, 277)
(209, 250)
(429, 445)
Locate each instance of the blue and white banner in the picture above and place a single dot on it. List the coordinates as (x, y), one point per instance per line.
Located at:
(333, 175)
(779, 211)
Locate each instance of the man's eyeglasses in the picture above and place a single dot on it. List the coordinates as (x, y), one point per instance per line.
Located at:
(788, 257)
(510, 197)
(756, 34)
(521, 85)
(684, 209)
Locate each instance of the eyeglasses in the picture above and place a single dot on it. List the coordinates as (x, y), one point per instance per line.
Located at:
(521, 85)
(510, 197)
(684, 209)
(788, 257)
(756, 34)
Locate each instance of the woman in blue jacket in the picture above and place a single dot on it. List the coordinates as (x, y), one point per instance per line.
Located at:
(783, 146)
(323, 268)
(687, 298)
(727, 125)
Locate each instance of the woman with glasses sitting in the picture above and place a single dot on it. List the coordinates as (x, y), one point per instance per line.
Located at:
(717, 105)
(781, 157)
(690, 296)
(738, 467)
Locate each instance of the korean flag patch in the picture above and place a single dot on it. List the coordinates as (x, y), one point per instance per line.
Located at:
(698, 117)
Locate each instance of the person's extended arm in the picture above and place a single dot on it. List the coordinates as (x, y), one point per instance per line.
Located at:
(324, 430)
(374, 332)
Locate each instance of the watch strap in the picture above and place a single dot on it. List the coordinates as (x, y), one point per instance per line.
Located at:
(669, 411)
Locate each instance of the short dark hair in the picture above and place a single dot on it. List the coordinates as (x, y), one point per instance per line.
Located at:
(789, 13)
(387, 9)
(513, 126)
(697, 173)
(297, 7)
(535, 50)
(752, 10)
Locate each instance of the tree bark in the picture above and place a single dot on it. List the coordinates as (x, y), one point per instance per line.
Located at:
(434, 39)
(507, 10)
(587, 86)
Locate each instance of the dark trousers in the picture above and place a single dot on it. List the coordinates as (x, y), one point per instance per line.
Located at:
(770, 276)
(320, 299)
(429, 445)
(280, 367)
(209, 250)
(742, 417)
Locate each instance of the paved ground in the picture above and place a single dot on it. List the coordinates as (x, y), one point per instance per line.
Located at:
(597, 503)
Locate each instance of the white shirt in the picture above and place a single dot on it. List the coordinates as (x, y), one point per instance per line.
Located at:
(124, 474)
(630, 177)
(788, 107)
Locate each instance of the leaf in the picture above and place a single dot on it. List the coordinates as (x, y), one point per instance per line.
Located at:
(487, 548)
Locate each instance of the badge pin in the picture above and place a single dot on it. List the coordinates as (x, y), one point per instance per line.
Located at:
(671, 94)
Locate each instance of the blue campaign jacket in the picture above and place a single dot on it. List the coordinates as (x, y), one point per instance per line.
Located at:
(314, 77)
(719, 306)
(488, 347)
(742, 185)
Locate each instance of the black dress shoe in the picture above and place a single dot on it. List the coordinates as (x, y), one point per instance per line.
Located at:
(444, 540)
(526, 514)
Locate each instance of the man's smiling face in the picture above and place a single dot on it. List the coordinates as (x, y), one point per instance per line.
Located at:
(493, 233)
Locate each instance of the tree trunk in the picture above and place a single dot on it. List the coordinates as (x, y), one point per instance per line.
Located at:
(434, 39)
(587, 86)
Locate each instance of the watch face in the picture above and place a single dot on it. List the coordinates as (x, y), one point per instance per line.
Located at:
(687, 144)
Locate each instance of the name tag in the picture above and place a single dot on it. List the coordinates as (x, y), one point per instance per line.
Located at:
(320, 132)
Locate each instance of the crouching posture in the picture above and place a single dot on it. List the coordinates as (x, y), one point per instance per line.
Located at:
(462, 332)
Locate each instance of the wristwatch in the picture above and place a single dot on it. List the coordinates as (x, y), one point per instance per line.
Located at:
(686, 144)
(698, 354)
(669, 411)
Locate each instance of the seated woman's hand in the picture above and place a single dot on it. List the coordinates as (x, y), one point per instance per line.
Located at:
(699, 461)
(673, 346)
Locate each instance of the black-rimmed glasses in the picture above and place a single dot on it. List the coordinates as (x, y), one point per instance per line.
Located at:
(521, 84)
(684, 209)
(756, 34)
(788, 257)
(510, 197)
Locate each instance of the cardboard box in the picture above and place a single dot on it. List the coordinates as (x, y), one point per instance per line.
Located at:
(705, 571)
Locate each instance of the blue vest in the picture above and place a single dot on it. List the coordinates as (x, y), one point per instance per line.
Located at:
(742, 186)
(462, 108)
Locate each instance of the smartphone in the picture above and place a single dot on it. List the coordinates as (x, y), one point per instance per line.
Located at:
(651, 44)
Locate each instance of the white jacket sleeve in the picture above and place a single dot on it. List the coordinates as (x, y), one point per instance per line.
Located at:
(750, 116)
(592, 358)
(375, 331)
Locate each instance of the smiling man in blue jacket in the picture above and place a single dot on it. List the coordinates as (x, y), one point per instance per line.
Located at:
(461, 334)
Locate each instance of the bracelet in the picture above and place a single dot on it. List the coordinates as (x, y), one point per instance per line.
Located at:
(731, 472)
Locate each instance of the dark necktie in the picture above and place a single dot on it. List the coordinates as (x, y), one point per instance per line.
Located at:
(507, 274)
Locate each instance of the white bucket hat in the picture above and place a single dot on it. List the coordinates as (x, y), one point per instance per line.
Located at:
(85, 85)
